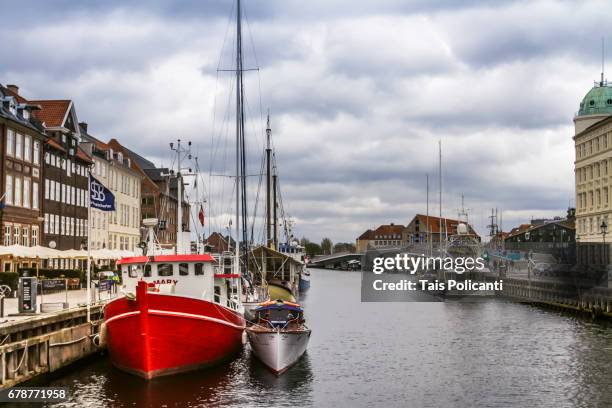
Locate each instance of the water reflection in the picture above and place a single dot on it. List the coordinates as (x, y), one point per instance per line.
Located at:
(493, 354)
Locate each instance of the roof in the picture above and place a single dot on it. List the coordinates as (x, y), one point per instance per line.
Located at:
(166, 258)
(53, 112)
(55, 145)
(597, 101)
(31, 123)
(434, 224)
(523, 228)
(82, 155)
(369, 234)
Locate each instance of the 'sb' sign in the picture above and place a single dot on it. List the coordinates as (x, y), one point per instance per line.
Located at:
(100, 197)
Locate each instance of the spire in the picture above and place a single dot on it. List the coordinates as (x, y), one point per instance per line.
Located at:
(603, 48)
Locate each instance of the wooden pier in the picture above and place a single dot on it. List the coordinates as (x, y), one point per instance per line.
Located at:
(46, 343)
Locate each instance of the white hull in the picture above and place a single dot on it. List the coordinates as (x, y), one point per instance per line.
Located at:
(278, 350)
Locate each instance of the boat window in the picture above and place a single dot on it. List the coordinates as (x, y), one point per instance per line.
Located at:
(147, 271)
(199, 268)
(183, 269)
(165, 270)
(217, 298)
(134, 270)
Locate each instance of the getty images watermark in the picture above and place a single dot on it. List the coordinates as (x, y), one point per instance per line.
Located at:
(412, 278)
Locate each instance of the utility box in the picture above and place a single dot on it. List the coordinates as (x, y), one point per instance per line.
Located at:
(27, 294)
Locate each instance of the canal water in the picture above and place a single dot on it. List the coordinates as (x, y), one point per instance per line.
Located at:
(490, 354)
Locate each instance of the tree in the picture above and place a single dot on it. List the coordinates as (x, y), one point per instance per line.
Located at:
(345, 247)
(326, 246)
(312, 249)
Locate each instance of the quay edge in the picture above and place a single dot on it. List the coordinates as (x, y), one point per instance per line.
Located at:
(47, 343)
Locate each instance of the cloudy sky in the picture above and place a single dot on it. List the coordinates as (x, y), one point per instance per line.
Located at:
(360, 92)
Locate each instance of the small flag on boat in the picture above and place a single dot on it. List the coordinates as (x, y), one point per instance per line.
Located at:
(201, 215)
(100, 197)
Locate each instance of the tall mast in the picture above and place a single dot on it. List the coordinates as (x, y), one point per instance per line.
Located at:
(440, 188)
(179, 205)
(268, 176)
(238, 130)
(274, 206)
(428, 236)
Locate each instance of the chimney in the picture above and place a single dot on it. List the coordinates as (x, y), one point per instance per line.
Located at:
(83, 126)
(13, 88)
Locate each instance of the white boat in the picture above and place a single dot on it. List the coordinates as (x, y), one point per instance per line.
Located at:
(279, 336)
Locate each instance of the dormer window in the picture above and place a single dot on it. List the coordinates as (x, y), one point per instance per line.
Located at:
(120, 157)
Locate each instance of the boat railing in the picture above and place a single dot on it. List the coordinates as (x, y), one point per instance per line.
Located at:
(233, 304)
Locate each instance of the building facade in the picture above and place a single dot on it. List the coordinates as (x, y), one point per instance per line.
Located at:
(22, 139)
(593, 163)
(424, 229)
(385, 236)
(65, 172)
(158, 196)
(119, 229)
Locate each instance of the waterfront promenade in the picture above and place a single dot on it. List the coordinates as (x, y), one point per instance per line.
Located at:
(54, 301)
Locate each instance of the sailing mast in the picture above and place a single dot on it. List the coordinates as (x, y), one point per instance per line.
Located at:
(268, 187)
(240, 182)
(440, 188)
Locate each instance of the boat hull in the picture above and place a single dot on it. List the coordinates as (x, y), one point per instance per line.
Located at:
(304, 281)
(278, 350)
(157, 334)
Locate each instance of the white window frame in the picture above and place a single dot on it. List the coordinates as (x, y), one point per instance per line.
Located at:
(10, 142)
(36, 153)
(19, 146)
(27, 183)
(17, 199)
(27, 148)
(8, 198)
(35, 196)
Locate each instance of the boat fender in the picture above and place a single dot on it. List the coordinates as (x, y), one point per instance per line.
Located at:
(244, 338)
(100, 338)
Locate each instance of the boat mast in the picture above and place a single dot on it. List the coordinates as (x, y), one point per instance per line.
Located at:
(440, 188)
(274, 207)
(428, 236)
(268, 187)
(238, 130)
(180, 152)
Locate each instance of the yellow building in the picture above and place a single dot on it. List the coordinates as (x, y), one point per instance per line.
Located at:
(593, 165)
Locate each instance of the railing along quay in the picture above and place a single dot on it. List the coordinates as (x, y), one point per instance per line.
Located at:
(596, 301)
(46, 343)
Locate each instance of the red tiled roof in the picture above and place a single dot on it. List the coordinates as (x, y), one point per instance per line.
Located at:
(53, 112)
(83, 156)
(19, 98)
(434, 224)
(366, 235)
(55, 145)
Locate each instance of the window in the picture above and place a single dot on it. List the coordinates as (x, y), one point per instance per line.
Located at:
(46, 224)
(183, 269)
(36, 154)
(19, 146)
(25, 236)
(8, 199)
(27, 148)
(51, 190)
(18, 195)
(10, 142)
(134, 270)
(16, 234)
(165, 270)
(58, 191)
(199, 269)
(147, 271)
(7, 235)
(26, 193)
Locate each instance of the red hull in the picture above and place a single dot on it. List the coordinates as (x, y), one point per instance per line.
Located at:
(157, 335)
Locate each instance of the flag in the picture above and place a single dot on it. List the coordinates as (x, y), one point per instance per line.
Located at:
(100, 197)
(201, 215)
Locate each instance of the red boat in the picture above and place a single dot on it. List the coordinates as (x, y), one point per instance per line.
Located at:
(180, 313)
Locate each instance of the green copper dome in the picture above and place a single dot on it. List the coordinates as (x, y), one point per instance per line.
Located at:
(598, 101)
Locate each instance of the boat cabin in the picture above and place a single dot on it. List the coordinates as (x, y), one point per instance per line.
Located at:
(195, 276)
(279, 314)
